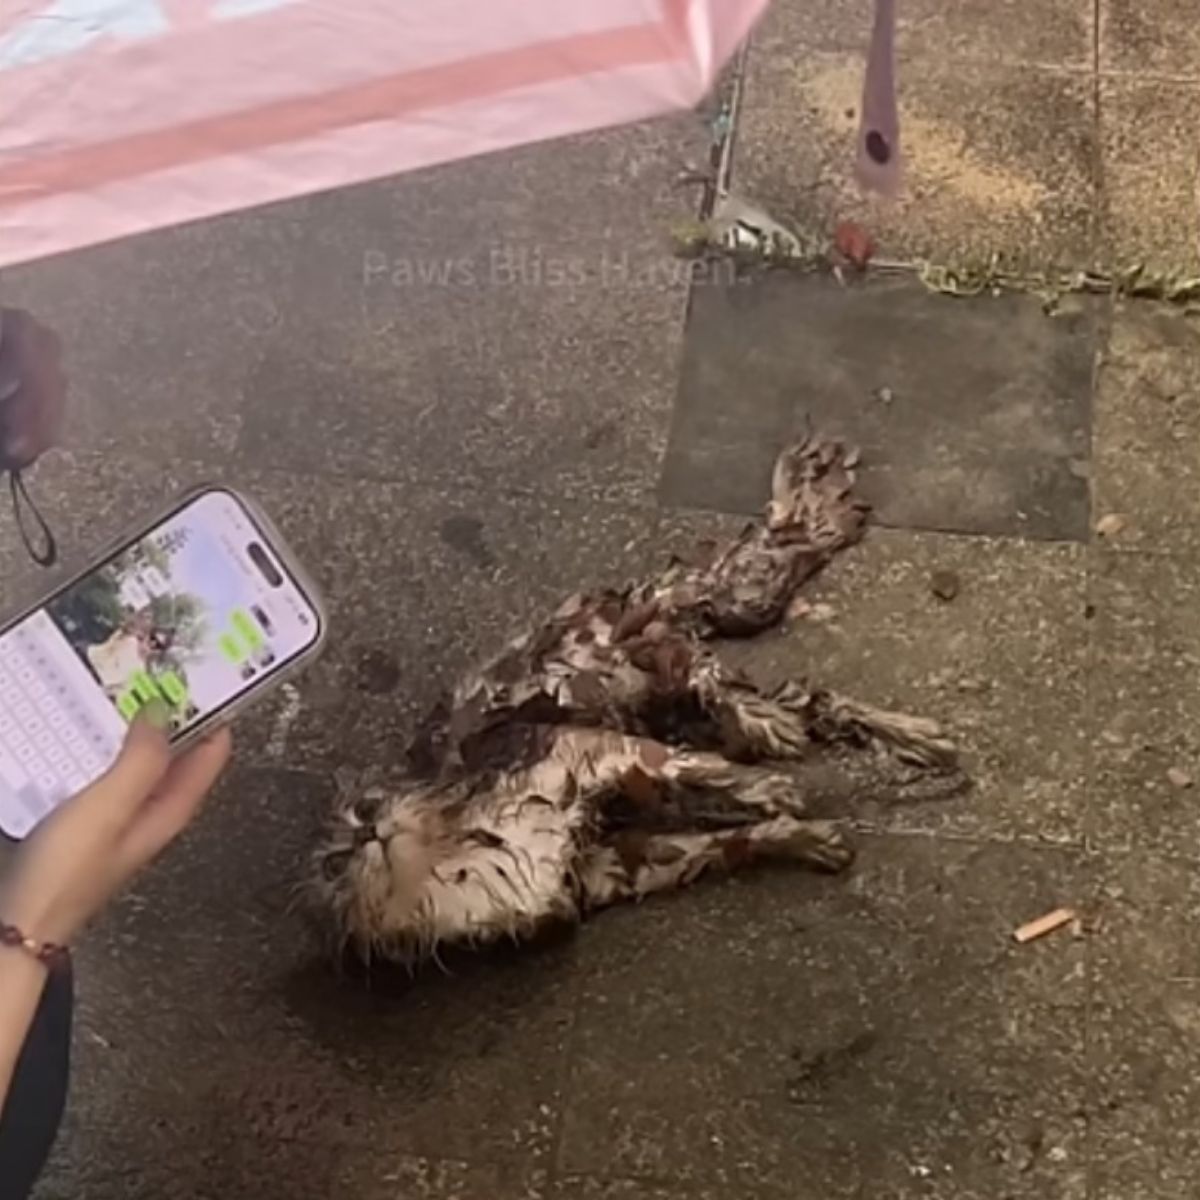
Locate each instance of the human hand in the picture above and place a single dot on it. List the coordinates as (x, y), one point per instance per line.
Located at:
(33, 389)
(85, 852)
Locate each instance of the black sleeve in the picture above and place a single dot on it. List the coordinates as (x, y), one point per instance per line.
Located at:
(37, 1098)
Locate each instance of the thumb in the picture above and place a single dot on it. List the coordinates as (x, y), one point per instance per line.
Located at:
(142, 764)
(176, 801)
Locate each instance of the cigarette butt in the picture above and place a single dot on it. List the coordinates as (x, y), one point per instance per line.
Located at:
(1044, 925)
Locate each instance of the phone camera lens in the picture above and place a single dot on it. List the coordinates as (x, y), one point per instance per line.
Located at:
(266, 568)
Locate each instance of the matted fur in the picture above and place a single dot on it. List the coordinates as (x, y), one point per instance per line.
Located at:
(609, 754)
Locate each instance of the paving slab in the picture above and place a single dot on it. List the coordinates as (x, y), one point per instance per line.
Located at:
(1144, 697)
(297, 1171)
(1145, 1048)
(826, 1034)
(1146, 428)
(1149, 37)
(1056, 33)
(973, 415)
(583, 1187)
(1151, 202)
(1002, 664)
(982, 177)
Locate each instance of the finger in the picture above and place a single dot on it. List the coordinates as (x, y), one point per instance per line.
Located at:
(139, 769)
(176, 801)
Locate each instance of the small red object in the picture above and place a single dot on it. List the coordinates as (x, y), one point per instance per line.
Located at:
(854, 244)
(49, 954)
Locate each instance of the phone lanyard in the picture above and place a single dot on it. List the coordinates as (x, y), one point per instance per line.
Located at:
(22, 502)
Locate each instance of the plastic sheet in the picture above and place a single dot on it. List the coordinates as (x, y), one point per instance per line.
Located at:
(122, 116)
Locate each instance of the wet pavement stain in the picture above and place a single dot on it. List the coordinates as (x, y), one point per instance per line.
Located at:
(468, 535)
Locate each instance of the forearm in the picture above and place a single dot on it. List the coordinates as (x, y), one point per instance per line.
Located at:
(22, 981)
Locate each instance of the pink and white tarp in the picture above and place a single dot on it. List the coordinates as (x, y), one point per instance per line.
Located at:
(119, 116)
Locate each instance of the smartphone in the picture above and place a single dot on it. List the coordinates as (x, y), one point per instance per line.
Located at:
(203, 609)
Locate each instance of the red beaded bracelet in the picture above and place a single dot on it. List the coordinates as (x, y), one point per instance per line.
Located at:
(49, 954)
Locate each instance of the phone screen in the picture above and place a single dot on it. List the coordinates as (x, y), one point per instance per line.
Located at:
(196, 612)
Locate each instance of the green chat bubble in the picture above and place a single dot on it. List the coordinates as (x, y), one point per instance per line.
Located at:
(230, 648)
(245, 624)
(173, 688)
(143, 687)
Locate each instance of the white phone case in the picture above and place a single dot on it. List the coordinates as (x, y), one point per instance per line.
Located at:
(279, 548)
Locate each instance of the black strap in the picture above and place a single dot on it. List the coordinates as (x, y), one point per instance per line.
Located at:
(47, 556)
